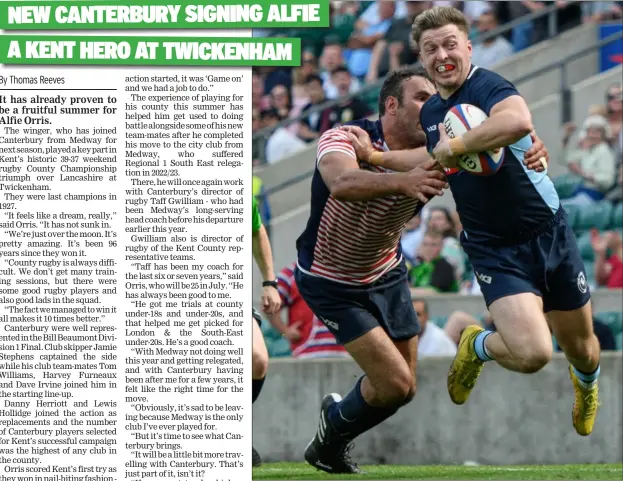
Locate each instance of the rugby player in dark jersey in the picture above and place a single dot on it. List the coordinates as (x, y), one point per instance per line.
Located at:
(515, 231)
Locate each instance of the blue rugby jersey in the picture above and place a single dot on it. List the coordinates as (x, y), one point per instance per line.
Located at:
(513, 204)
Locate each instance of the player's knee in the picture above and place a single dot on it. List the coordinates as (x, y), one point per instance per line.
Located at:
(581, 348)
(259, 363)
(410, 395)
(458, 321)
(462, 318)
(399, 389)
(536, 357)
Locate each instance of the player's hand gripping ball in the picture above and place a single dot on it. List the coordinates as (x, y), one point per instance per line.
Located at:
(460, 119)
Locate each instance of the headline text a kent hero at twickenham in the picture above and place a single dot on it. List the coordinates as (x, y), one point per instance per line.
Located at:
(180, 50)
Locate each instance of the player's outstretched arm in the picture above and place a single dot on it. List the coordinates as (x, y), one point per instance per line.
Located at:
(347, 182)
(396, 160)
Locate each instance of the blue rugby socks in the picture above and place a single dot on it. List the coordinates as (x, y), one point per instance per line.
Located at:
(479, 346)
(587, 380)
(354, 416)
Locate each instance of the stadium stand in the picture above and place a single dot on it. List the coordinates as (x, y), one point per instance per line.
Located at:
(557, 71)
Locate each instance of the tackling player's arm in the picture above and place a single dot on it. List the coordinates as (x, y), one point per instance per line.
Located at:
(396, 160)
(338, 166)
(405, 160)
(263, 255)
(347, 182)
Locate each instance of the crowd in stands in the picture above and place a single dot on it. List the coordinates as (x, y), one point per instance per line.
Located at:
(594, 159)
(595, 155)
(366, 41)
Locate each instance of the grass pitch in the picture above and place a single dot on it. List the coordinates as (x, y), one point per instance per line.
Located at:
(293, 471)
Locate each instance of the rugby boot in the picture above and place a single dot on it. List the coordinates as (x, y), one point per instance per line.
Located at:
(465, 368)
(328, 451)
(256, 460)
(585, 405)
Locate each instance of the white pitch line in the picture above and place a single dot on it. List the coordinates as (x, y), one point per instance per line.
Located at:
(292, 213)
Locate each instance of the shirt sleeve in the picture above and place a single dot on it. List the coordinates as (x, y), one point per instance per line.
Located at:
(334, 140)
(256, 218)
(489, 89)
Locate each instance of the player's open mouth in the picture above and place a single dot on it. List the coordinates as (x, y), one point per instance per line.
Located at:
(445, 68)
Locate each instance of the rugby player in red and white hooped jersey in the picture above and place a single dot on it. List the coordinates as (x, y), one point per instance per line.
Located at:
(350, 268)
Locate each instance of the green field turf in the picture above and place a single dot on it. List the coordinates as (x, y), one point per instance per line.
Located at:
(292, 471)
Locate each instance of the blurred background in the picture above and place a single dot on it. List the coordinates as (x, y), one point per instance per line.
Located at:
(565, 58)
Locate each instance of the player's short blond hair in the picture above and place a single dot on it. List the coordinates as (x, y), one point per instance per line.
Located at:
(438, 17)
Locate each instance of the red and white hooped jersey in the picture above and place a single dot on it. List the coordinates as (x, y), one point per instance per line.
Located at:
(352, 242)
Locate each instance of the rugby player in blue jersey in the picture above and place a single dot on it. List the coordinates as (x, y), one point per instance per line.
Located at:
(515, 230)
(350, 268)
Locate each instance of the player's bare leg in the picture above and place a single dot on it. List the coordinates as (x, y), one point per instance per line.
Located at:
(408, 350)
(457, 322)
(377, 355)
(259, 367)
(375, 397)
(575, 336)
(522, 343)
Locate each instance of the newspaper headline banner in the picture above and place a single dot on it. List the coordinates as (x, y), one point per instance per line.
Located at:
(29, 15)
(157, 51)
(161, 14)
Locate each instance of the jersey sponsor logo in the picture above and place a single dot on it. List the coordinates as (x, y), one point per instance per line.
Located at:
(483, 278)
(432, 128)
(582, 285)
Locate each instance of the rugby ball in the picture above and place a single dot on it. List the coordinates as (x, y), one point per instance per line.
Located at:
(459, 120)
